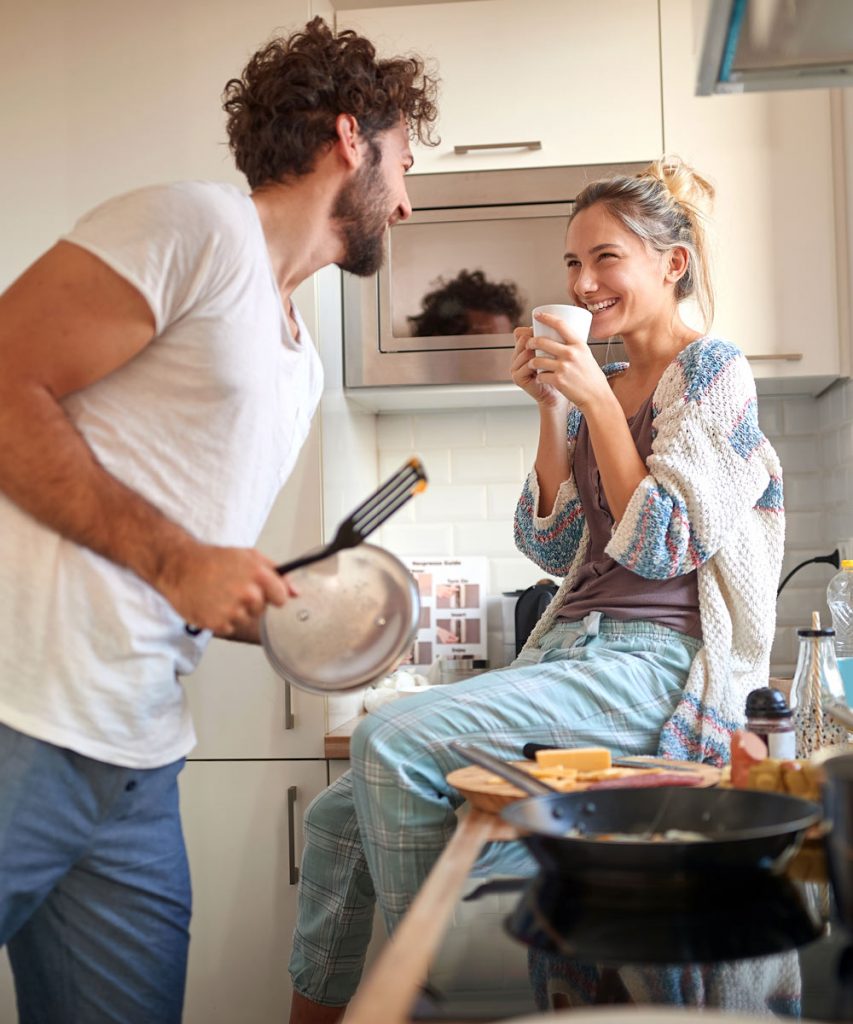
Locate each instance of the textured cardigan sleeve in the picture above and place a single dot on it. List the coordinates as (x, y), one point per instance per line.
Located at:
(708, 467)
(552, 541)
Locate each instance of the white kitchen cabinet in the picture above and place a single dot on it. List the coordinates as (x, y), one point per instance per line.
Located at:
(237, 823)
(581, 77)
(769, 156)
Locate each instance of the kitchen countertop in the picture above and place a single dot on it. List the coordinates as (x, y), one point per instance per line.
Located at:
(336, 742)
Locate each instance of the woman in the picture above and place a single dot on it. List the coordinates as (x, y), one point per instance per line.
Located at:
(656, 496)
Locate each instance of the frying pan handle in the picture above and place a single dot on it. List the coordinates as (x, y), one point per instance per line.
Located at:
(526, 782)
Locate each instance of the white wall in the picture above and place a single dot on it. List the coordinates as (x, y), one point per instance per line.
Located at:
(477, 460)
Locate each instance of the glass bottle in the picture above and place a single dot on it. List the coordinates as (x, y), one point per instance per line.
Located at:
(817, 682)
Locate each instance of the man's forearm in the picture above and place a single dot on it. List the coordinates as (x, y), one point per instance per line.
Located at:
(48, 469)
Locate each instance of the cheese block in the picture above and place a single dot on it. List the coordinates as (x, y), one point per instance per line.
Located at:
(582, 759)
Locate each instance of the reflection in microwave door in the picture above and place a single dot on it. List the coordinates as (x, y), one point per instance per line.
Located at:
(468, 303)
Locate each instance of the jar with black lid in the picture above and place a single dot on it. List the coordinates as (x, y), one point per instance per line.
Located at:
(768, 716)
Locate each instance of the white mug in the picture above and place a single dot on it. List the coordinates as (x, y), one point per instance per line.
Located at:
(577, 318)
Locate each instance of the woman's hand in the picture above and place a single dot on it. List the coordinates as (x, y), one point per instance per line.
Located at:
(524, 374)
(567, 367)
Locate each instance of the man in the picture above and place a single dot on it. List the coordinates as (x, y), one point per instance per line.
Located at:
(156, 384)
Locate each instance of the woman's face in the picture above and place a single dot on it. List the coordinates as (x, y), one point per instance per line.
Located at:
(616, 276)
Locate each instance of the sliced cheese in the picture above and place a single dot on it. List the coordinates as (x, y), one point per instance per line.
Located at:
(583, 759)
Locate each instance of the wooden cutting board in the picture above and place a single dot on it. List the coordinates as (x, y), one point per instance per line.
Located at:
(487, 792)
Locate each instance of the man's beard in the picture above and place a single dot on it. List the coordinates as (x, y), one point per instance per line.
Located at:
(361, 208)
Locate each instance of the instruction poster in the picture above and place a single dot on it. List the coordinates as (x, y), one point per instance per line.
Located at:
(453, 607)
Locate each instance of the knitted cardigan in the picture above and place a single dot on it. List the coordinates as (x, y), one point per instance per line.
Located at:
(712, 501)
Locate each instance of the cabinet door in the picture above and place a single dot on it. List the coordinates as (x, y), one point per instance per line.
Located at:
(237, 823)
(239, 704)
(581, 77)
(769, 155)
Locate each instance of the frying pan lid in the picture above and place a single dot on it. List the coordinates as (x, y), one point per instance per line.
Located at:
(356, 614)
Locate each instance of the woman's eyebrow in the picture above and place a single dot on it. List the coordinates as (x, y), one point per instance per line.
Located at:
(595, 248)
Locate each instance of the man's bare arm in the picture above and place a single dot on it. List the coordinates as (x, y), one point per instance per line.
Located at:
(66, 323)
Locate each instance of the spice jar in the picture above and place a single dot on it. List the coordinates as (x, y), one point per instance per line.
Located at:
(816, 680)
(768, 716)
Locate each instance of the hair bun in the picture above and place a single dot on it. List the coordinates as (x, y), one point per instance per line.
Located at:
(686, 186)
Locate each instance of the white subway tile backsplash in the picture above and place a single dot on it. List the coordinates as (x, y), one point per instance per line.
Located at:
(770, 416)
(394, 430)
(501, 500)
(512, 426)
(444, 503)
(453, 429)
(487, 465)
(845, 443)
(516, 573)
(799, 415)
(417, 539)
(805, 529)
(484, 538)
(800, 491)
(795, 452)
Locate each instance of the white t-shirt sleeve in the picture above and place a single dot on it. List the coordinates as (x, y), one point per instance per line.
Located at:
(165, 240)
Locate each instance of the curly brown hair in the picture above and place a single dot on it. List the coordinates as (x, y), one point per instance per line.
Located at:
(282, 110)
(443, 309)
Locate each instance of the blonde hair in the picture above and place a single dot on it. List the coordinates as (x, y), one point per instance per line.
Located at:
(666, 205)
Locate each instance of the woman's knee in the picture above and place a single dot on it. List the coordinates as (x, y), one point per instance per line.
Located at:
(330, 810)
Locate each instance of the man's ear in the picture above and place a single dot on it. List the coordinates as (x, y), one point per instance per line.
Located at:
(349, 139)
(677, 262)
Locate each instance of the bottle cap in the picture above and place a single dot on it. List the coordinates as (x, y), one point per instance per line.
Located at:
(815, 632)
(847, 563)
(766, 703)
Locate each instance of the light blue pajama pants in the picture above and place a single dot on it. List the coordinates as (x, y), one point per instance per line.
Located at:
(377, 831)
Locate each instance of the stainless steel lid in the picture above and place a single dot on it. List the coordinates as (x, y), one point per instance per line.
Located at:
(356, 616)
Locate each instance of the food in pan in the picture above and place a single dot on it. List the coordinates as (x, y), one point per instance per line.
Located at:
(751, 768)
(670, 835)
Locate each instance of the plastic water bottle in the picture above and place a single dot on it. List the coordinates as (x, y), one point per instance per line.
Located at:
(839, 597)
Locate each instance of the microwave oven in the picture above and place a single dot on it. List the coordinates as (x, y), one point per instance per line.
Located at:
(480, 250)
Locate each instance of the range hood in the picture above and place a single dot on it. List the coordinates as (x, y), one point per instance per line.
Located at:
(756, 45)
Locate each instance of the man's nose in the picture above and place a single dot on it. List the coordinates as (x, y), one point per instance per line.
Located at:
(404, 210)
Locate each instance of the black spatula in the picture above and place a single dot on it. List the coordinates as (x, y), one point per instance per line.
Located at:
(410, 479)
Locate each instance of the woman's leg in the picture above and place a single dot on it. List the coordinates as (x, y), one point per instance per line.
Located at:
(614, 686)
(336, 903)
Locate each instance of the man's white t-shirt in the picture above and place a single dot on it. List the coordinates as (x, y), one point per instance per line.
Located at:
(206, 423)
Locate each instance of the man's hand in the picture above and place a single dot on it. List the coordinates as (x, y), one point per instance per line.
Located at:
(222, 589)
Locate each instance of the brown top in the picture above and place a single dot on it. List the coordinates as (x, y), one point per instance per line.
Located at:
(604, 585)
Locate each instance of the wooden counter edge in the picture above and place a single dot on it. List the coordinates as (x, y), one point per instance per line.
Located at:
(336, 742)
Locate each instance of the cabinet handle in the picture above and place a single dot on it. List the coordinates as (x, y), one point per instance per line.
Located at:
(289, 719)
(291, 834)
(497, 145)
(787, 357)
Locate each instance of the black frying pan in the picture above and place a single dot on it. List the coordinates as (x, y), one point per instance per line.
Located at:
(743, 828)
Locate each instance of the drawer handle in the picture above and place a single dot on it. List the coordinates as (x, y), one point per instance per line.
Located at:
(289, 718)
(497, 145)
(787, 357)
(291, 835)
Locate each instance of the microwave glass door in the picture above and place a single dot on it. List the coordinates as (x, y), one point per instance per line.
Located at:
(519, 247)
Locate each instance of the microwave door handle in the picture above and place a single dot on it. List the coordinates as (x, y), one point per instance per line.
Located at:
(497, 145)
